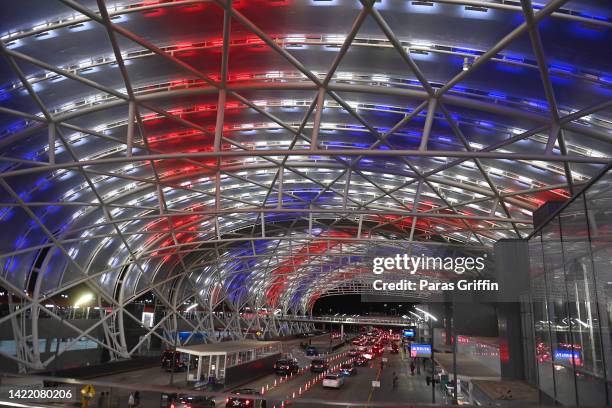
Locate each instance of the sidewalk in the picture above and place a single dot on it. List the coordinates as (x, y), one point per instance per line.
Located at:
(410, 388)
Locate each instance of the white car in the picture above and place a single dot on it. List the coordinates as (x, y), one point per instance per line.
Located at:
(333, 381)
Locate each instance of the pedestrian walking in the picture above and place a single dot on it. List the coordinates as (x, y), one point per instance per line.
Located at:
(131, 401)
(395, 380)
(412, 367)
(137, 399)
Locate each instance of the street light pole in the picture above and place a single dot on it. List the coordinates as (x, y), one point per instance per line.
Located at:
(433, 371)
(173, 358)
(454, 338)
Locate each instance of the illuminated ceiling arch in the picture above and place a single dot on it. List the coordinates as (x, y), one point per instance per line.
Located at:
(261, 149)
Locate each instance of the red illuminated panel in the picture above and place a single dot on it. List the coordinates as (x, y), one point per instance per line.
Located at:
(291, 264)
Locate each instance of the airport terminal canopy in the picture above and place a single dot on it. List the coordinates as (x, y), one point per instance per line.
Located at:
(259, 152)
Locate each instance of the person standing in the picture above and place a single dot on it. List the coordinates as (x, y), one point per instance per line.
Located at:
(87, 394)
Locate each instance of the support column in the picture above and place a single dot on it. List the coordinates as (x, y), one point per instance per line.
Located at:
(199, 370)
(512, 270)
(214, 367)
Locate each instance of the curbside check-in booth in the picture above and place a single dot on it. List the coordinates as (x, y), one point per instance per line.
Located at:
(231, 362)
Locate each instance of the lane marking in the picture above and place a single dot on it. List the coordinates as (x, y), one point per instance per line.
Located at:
(378, 375)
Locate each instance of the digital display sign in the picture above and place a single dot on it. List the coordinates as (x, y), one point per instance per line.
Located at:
(566, 356)
(420, 350)
(409, 333)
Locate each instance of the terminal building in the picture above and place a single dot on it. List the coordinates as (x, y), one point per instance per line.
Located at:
(306, 202)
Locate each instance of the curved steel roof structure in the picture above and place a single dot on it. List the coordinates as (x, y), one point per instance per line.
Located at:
(259, 152)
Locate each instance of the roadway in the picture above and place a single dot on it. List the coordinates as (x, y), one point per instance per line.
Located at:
(304, 385)
(156, 376)
(278, 388)
(411, 389)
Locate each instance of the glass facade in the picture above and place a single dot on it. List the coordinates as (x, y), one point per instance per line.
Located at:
(571, 299)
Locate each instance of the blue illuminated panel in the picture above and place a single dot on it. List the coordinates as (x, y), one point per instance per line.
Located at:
(420, 350)
(408, 333)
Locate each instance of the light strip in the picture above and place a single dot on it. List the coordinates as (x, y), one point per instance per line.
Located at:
(434, 318)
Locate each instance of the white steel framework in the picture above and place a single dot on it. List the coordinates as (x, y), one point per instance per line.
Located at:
(291, 182)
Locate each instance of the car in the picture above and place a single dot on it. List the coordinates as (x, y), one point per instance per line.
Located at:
(189, 401)
(361, 361)
(367, 355)
(348, 369)
(318, 366)
(312, 351)
(394, 348)
(356, 342)
(241, 399)
(353, 352)
(334, 380)
(286, 366)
